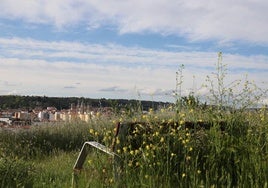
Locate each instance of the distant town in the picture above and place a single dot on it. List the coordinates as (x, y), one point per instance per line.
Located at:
(33, 110)
(79, 112)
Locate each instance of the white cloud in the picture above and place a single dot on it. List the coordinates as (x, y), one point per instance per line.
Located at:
(223, 20)
(44, 68)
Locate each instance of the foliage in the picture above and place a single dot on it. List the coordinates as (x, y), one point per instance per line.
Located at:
(16, 173)
(42, 140)
(31, 102)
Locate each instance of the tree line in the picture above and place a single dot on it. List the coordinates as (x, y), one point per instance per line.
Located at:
(32, 102)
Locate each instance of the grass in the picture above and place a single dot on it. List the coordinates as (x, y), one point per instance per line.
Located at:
(156, 151)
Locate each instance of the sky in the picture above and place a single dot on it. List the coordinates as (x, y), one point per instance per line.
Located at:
(129, 49)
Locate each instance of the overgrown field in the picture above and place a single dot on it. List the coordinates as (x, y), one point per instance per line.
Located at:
(188, 144)
(195, 147)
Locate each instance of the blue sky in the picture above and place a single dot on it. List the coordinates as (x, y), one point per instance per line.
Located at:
(128, 49)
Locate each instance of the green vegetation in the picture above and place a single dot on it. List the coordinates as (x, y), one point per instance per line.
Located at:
(31, 102)
(188, 144)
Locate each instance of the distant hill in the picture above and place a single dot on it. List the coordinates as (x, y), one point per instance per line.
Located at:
(31, 102)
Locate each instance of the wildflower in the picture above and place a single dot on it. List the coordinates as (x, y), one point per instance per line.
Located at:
(89, 162)
(131, 152)
(191, 110)
(117, 141)
(148, 147)
(198, 171)
(173, 154)
(146, 176)
(189, 102)
(125, 149)
(181, 122)
(182, 115)
(118, 151)
(144, 116)
(91, 131)
(130, 164)
(188, 158)
(190, 149)
(162, 139)
(183, 175)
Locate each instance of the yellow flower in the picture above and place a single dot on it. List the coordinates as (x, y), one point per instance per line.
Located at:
(91, 131)
(190, 149)
(188, 158)
(183, 175)
(130, 163)
(162, 139)
(125, 149)
(181, 122)
(198, 171)
(131, 152)
(146, 176)
(117, 141)
(144, 116)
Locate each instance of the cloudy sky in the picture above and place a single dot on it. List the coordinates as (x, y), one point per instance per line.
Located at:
(128, 49)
